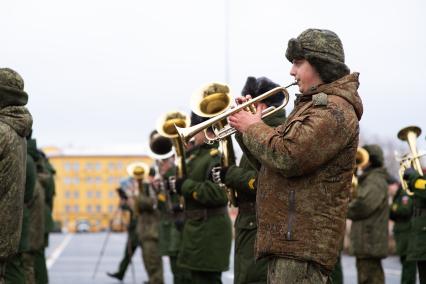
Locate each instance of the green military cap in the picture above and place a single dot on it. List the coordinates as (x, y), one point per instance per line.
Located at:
(11, 78)
(375, 153)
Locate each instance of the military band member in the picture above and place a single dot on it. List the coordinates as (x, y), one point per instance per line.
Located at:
(417, 245)
(207, 235)
(401, 211)
(132, 242)
(242, 179)
(306, 163)
(148, 221)
(171, 214)
(15, 125)
(369, 213)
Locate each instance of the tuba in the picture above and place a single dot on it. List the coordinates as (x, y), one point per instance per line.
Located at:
(166, 127)
(160, 147)
(361, 160)
(409, 134)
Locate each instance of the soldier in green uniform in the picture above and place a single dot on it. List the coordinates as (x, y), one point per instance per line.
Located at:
(207, 233)
(15, 125)
(369, 213)
(148, 221)
(401, 211)
(132, 242)
(171, 219)
(46, 177)
(242, 179)
(15, 272)
(417, 245)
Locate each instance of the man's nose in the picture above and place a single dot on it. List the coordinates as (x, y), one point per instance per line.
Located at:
(293, 70)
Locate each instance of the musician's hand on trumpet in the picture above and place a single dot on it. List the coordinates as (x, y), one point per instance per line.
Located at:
(243, 119)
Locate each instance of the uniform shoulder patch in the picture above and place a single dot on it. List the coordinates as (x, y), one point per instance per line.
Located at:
(214, 152)
(420, 184)
(320, 99)
(251, 183)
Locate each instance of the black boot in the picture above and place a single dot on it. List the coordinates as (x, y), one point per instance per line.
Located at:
(115, 275)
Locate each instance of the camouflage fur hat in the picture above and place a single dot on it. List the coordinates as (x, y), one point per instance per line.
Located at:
(376, 155)
(11, 78)
(323, 49)
(256, 87)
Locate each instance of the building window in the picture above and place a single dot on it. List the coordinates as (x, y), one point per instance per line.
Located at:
(98, 180)
(89, 208)
(111, 194)
(76, 208)
(89, 194)
(98, 208)
(76, 166)
(67, 180)
(76, 180)
(98, 166)
(111, 180)
(76, 194)
(110, 208)
(89, 180)
(98, 194)
(67, 166)
(111, 166)
(67, 194)
(67, 209)
(89, 166)
(119, 166)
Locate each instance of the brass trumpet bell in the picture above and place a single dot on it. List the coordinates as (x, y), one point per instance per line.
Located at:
(211, 100)
(361, 158)
(138, 170)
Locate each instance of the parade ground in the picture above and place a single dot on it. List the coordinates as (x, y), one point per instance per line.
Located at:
(72, 258)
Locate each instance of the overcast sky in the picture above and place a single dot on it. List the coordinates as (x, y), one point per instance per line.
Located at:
(100, 72)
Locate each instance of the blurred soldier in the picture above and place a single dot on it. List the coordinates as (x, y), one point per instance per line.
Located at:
(369, 213)
(15, 272)
(15, 125)
(36, 231)
(417, 245)
(401, 211)
(132, 242)
(306, 163)
(171, 211)
(46, 177)
(148, 219)
(242, 179)
(207, 233)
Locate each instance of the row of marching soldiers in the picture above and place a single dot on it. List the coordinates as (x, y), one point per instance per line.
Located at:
(27, 189)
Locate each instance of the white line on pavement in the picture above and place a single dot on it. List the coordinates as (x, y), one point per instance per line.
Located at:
(51, 259)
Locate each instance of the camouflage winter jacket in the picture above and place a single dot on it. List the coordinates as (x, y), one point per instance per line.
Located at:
(304, 181)
(15, 124)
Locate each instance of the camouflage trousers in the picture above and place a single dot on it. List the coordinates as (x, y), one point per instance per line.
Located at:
(291, 271)
(152, 261)
(28, 265)
(370, 271)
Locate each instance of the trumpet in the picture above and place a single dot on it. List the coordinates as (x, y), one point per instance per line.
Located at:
(187, 133)
(160, 147)
(409, 134)
(166, 128)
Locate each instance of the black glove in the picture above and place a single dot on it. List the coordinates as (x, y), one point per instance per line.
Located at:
(177, 208)
(222, 173)
(178, 185)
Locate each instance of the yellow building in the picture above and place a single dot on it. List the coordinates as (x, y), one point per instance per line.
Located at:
(86, 188)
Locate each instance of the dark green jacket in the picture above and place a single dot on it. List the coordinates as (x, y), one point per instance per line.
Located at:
(30, 182)
(206, 242)
(401, 211)
(242, 179)
(369, 213)
(417, 246)
(15, 125)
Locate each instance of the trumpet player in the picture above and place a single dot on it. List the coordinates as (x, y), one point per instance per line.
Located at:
(306, 163)
(369, 213)
(207, 233)
(242, 179)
